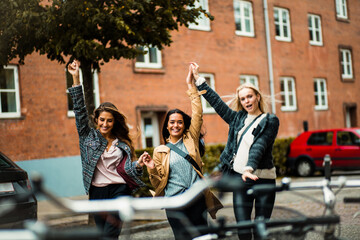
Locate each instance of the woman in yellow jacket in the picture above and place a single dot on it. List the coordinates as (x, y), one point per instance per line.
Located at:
(171, 174)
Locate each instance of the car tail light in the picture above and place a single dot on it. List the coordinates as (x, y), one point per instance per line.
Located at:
(28, 184)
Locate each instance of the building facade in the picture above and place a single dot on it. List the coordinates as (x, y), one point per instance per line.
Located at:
(304, 55)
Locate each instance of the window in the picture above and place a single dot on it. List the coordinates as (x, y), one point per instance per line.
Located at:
(320, 94)
(282, 24)
(341, 9)
(345, 138)
(288, 95)
(203, 23)
(314, 22)
(151, 59)
(69, 83)
(150, 130)
(211, 82)
(249, 79)
(346, 64)
(321, 138)
(9, 92)
(244, 20)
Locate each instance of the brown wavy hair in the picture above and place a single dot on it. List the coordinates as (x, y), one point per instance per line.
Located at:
(121, 129)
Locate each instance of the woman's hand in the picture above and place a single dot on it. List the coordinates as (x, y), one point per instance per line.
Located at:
(190, 78)
(73, 69)
(248, 174)
(195, 70)
(145, 159)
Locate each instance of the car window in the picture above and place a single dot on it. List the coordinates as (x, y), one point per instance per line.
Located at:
(345, 138)
(321, 138)
(4, 163)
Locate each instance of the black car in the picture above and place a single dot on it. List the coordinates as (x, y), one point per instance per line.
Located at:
(14, 185)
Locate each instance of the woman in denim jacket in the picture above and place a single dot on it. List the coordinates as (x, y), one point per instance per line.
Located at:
(107, 154)
(248, 153)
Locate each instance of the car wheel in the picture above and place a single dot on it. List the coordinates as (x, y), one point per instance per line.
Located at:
(304, 168)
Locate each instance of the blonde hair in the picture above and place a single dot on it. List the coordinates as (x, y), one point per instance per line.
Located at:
(235, 103)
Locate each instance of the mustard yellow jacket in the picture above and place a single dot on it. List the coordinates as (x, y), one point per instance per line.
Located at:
(159, 175)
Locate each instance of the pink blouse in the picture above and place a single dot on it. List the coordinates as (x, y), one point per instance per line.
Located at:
(105, 171)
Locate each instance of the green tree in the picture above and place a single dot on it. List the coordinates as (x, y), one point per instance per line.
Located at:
(92, 31)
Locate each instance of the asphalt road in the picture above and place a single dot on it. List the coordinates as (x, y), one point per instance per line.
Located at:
(307, 202)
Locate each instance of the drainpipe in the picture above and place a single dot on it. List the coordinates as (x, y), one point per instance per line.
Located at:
(269, 55)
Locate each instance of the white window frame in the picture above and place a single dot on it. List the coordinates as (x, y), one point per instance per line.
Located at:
(202, 20)
(155, 128)
(242, 19)
(346, 64)
(147, 63)
(205, 105)
(280, 23)
(320, 91)
(341, 9)
(288, 94)
(70, 113)
(253, 79)
(16, 90)
(315, 32)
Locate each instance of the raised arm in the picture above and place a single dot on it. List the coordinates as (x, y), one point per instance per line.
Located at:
(73, 69)
(196, 107)
(77, 96)
(221, 108)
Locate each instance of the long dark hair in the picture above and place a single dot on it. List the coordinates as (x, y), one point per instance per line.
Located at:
(120, 129)
(187, 122)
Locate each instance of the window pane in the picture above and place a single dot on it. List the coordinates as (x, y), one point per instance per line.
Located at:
(153, 55)
(140, 58)
(149, 142)
(277, 30)
(289, 86)
(286, 31)
(323, 138)
(246, 11)
(283, 102)
(276, 15)
(7, 79)
(8, 102)
(247, 23)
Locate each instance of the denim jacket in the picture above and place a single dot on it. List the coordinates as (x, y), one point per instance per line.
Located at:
(260, 153)
(93, 144)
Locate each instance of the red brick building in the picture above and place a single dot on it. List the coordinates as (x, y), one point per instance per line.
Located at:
(308, 61)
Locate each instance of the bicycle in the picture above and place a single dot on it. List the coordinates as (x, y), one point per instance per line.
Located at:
(295, 227)
(127, 206)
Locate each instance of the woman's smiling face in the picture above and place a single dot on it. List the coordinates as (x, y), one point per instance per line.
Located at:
(249, 100)
(176, 126)
(105, 123)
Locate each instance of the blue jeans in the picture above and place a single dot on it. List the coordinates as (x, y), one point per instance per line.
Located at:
(244, 203)
(109, 224)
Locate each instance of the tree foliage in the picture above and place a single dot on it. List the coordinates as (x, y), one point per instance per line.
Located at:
(92, 31)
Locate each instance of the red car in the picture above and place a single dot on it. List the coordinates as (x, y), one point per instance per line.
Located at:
(307, 151)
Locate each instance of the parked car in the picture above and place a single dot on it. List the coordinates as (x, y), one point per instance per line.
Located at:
(307, 151)
(14, 183)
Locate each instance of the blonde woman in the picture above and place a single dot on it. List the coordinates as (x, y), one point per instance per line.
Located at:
(248, 153)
